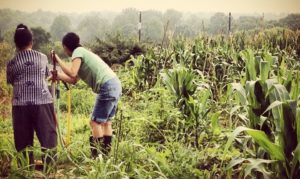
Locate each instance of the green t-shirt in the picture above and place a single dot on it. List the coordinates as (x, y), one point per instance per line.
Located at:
(93, 70)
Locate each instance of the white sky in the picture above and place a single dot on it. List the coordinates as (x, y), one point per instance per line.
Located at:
(238, 6)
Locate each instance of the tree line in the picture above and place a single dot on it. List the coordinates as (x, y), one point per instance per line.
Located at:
(155, 24)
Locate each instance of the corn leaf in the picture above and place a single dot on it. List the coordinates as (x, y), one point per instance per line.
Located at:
(261, 138)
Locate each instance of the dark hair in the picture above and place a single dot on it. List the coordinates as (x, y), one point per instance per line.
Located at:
(23, 36)
(71, 41)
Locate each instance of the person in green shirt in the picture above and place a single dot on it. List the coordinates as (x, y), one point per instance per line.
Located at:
(90, 68)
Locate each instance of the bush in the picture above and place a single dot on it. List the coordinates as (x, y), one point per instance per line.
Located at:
(6, 52)
(115, 49)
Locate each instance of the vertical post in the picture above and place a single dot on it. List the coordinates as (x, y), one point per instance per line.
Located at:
(229, 23)
(54, 78)
(140, 26)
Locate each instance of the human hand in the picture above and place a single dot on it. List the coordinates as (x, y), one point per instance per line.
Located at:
(53, 76)
(54, 57)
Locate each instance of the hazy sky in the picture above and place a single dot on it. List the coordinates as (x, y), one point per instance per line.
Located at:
(239, 6)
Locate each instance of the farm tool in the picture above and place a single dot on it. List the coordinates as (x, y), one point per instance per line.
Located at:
(56, 96)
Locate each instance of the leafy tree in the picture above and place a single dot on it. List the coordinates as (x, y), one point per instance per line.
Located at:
(6, 52)
(196, 24)
(8, 20)
(247, 23)
(218, 23)
(60, 26)
(292, 21)
(152, 26)
(184, 30)
(40, 18)
(92, 26)
(173, 17)
(8, 37)
(40, 37)
(126, 22)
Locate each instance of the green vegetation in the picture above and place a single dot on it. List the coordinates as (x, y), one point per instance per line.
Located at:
(209, 107)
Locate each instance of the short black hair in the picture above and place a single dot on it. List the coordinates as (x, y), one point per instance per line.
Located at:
(23, 36)
(71, 41)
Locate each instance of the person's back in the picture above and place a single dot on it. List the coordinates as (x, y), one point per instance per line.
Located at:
(93, 70)
(27, 72)
(32, 103)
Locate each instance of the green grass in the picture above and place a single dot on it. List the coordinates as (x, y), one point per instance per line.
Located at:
(136, 152)
(179, 130)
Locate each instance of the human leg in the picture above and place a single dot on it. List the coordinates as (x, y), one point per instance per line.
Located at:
(104, 110)
(23, 132)
(96, 139)
(45, 127)
(107, 137)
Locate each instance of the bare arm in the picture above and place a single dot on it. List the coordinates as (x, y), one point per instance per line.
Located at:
(62, 76)
(70, 71)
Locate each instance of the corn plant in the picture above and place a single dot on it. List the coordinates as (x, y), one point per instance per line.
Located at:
(271, 120)
(199, 108)
(145, 70)
(192, 99)
(283, 151)
(181, 82)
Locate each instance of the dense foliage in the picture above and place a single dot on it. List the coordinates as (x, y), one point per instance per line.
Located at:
(209, 107)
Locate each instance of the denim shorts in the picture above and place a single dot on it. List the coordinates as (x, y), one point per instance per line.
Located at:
(107, 101)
